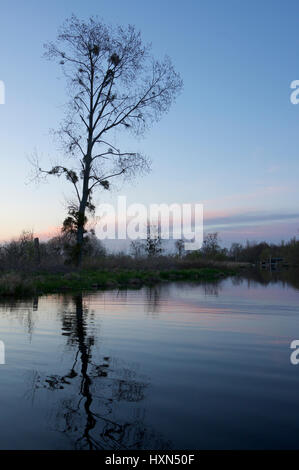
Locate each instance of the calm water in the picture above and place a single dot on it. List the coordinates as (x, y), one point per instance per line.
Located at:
(176, 366)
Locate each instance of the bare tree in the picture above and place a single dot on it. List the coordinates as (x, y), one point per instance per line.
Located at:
(137, 248)
(114, 83)
(210, 246)
(153, 243)
(180, 247)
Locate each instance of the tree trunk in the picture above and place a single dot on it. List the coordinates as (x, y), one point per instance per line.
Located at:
(82, 208)
(80, 238)
(36, 251)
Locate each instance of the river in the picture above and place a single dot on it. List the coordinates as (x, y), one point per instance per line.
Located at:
(176, 366)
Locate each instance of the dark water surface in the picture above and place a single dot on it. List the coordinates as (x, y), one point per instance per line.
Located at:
(175, 366)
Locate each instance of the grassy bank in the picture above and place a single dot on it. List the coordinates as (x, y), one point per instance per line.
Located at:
(19, 285)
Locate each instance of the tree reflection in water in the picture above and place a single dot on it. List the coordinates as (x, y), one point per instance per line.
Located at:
(92, 411)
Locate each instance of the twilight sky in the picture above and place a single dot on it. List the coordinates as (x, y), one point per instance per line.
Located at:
(230, 141)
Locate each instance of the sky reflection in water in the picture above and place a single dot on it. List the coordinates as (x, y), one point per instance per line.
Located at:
(175, 366)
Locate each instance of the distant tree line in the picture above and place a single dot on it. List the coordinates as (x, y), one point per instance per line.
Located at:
(27, 252)
(250, 252)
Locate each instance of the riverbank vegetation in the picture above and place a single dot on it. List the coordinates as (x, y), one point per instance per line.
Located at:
(18, 284)
(28, 267)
